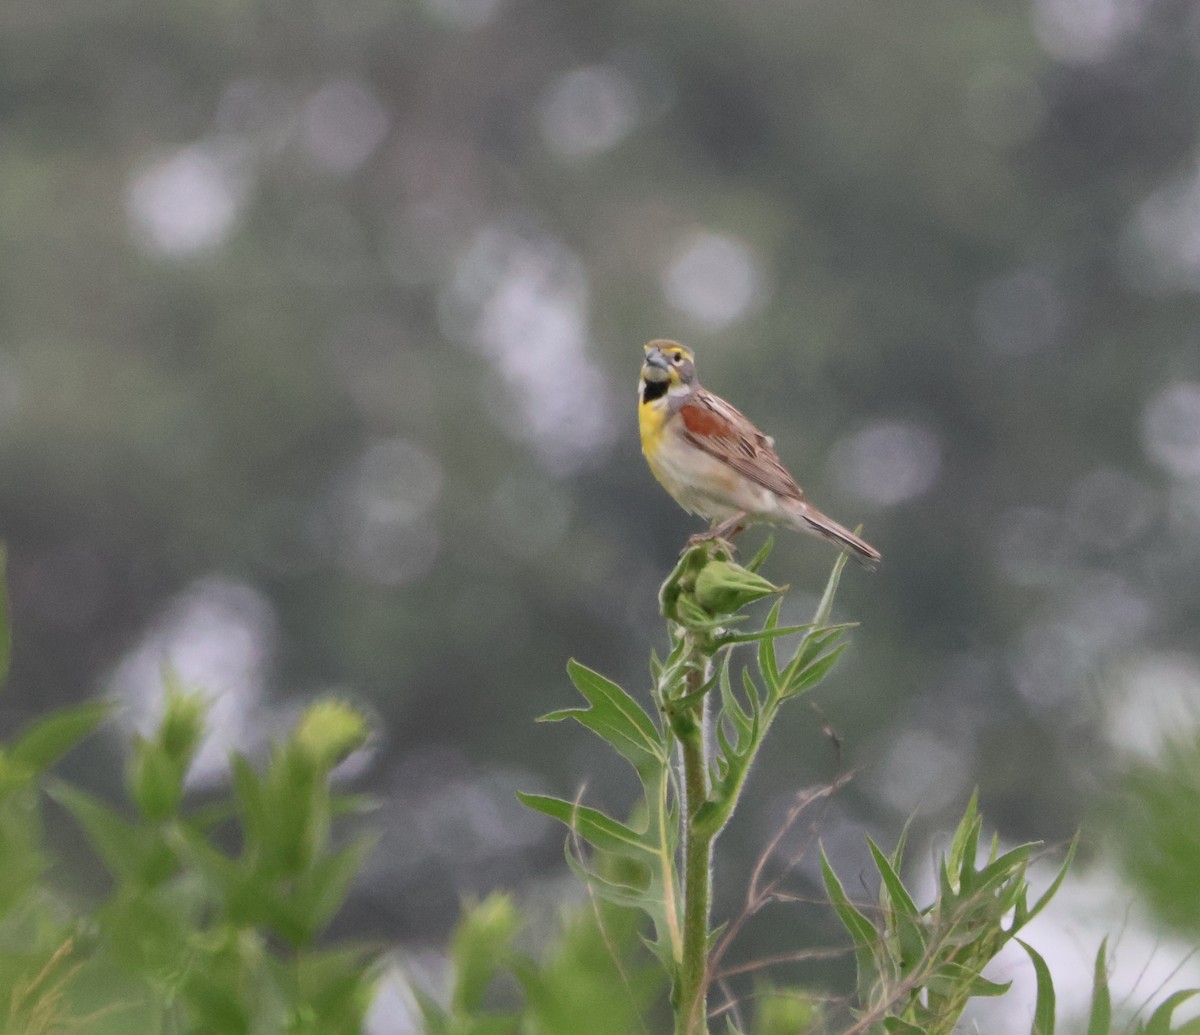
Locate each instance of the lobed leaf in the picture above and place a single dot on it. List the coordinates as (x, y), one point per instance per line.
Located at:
(615, 717)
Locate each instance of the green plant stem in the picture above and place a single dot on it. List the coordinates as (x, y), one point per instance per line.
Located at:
(692, 1004)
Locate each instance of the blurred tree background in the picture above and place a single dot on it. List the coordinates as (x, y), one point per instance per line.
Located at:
(319, 330)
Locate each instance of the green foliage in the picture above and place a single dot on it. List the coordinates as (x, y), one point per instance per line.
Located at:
(664, 861)
(589, 980)
(189, 938)
(1155, 830)
(919, 967)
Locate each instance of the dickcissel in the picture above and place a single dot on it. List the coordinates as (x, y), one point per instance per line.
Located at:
(717, 464)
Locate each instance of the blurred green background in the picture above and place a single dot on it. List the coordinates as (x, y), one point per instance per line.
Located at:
(319, 330)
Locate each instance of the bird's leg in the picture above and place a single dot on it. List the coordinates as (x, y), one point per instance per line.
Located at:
(727, 529)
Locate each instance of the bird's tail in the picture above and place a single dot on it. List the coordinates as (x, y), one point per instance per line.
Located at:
(806, 518)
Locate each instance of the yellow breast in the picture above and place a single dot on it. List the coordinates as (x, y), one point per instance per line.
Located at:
(652, 418)
(699, 482)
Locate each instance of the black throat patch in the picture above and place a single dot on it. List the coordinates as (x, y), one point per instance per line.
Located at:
(654, 390)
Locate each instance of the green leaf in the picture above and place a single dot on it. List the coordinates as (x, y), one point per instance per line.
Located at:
(960, 863)
(895, 1026)
(325, 886)
(825, 607)
(902, 910)
(763, 634)
(593, 826)
(897, 893)
(814, 672)
(1160, 1020)
(952, 980)
(861, 929)
(767, 663)
(616, 717)
(764, 552)
(1043, 1011)
(130, 851)
(1023, 915)
(1100, 1017)
(479, 945)
(52, 737)
(252, 804)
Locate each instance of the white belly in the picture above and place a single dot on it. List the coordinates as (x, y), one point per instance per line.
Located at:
(703, 485)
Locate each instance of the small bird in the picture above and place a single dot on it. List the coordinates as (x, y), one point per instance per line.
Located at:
(716, 463)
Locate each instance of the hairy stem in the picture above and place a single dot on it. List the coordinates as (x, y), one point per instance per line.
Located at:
(692, 1004)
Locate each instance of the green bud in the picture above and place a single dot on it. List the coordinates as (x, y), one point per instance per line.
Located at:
(160, 763)
(328, 731)
(722, 587)
(155, 780)
(690, 614)
(182, 724)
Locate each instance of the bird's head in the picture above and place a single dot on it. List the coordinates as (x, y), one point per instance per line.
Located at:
(668, 365)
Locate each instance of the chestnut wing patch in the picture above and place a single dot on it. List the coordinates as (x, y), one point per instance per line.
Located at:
(704, 421)
(725, 433)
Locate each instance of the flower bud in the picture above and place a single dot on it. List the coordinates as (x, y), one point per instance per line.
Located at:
(723, 587)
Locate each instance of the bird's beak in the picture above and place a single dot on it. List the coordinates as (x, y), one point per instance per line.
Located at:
(656, 367)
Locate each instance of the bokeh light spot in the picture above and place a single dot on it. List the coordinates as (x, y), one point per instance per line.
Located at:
(587, 111)
(188, 202)
(888, 462)
(389, 536)
(343, 123)
(522, 301)
(217, 637)
(1109, 509)
(712, 278)
(1084, 31)
(1157, 700)
(921, 771)
(1171, 429)
(465, 14)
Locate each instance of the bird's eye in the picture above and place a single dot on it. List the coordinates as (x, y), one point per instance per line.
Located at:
(676, 357)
